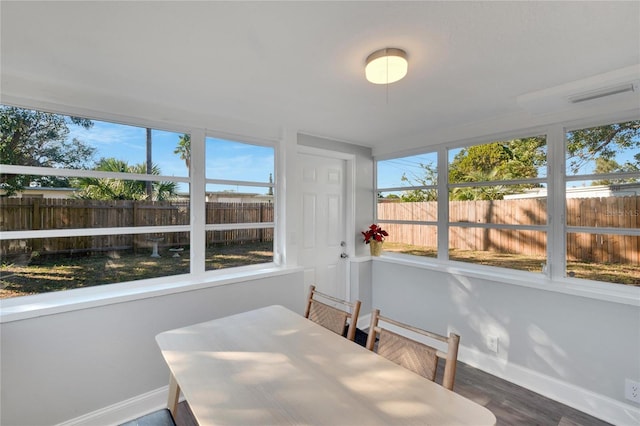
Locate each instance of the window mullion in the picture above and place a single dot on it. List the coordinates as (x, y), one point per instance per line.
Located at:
(556, 203)
(443, 204)
(198, 202)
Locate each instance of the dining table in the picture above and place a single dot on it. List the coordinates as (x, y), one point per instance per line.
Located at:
(272, 366)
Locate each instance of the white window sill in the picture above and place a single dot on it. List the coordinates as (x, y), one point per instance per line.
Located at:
(25, 307)
(610, 292)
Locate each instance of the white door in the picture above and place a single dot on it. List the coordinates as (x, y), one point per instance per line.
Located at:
(322, 233)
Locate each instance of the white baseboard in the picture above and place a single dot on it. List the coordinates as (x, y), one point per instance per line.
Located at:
(123, 411)
(364, 321)
(596, 405)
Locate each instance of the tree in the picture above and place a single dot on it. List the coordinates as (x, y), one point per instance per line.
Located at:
(493, 192)
(604, 165)
(184, 149)
(586, 145)
(522, 158)
(428, 178)
(502, 160)
(39, 139)
(123, 189)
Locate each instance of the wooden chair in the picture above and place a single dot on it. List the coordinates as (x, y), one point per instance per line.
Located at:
(411, 354)
(331, 317)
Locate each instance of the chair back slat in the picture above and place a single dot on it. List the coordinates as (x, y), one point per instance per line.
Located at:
(412, 355)
(332, 317)
(329, 317)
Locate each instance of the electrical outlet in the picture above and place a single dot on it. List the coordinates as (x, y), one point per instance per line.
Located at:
(492, 343)
(632, 390)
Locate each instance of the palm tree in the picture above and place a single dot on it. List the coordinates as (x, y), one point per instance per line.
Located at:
(184, 149)
(124, 189)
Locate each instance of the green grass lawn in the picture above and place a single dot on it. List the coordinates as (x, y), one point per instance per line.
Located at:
(44, 274)
(607, 272)
(54, 273)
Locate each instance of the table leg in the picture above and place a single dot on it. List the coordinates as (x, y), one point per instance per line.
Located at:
(174, 395)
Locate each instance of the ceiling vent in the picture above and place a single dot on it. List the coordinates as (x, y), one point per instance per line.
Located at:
(620, 87)
(603, 93)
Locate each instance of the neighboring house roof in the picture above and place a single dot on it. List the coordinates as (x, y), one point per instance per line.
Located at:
(44, 191)
(595, 191)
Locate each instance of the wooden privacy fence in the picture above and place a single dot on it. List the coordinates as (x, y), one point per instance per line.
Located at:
(21, 214)
(614, 212)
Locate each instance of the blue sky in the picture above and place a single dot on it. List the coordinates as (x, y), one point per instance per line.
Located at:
(232, 160)
(224, 159)
(390, 172)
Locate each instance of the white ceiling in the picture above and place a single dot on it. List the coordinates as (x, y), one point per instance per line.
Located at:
(300, 65)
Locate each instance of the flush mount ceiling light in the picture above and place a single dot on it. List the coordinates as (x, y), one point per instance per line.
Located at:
(386, 66)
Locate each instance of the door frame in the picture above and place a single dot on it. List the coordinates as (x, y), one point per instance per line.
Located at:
(349, 208)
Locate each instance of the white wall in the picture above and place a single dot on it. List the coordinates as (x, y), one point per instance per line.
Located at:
(59, 367)
(574, 349)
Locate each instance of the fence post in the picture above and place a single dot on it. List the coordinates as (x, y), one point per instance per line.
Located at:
(260, 230)
(36, 223)
(134, 219)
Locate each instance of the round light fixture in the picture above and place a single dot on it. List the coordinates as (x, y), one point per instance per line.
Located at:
(386, 66)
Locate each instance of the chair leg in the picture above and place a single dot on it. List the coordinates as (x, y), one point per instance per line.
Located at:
(452, 357)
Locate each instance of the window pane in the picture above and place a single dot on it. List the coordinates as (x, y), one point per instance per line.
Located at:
(398, 209)
(52, 140)
(418, 240)
(239, 193)
(417, 170)
(92, 188)
(603, 209)
(612, 148)
(32, 213)
(524, 158)
(602, 257)
(43, 265)
(238, 247)
(130, 147)
(506, 248)
(601, 188)
(98, 188)
(239, 212)
(239, 161)
(520, 211)
(233, 202)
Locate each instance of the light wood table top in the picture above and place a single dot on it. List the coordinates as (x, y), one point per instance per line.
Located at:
(272, 366)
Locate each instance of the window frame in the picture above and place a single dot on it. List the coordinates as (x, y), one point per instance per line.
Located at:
(591, 230)
(555, 278)
(544, 228)
(61, 301)
(252, 225)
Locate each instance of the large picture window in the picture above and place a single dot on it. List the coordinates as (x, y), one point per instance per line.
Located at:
(498, 203)
(407, 203)
(498, 206)
(239, 200)
(602, 192)
(87, 202)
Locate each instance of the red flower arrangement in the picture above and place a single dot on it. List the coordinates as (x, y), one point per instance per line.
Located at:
(374, 233)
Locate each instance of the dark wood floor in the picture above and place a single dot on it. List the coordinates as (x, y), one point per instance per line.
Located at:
(511, 404)
(515, 405)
